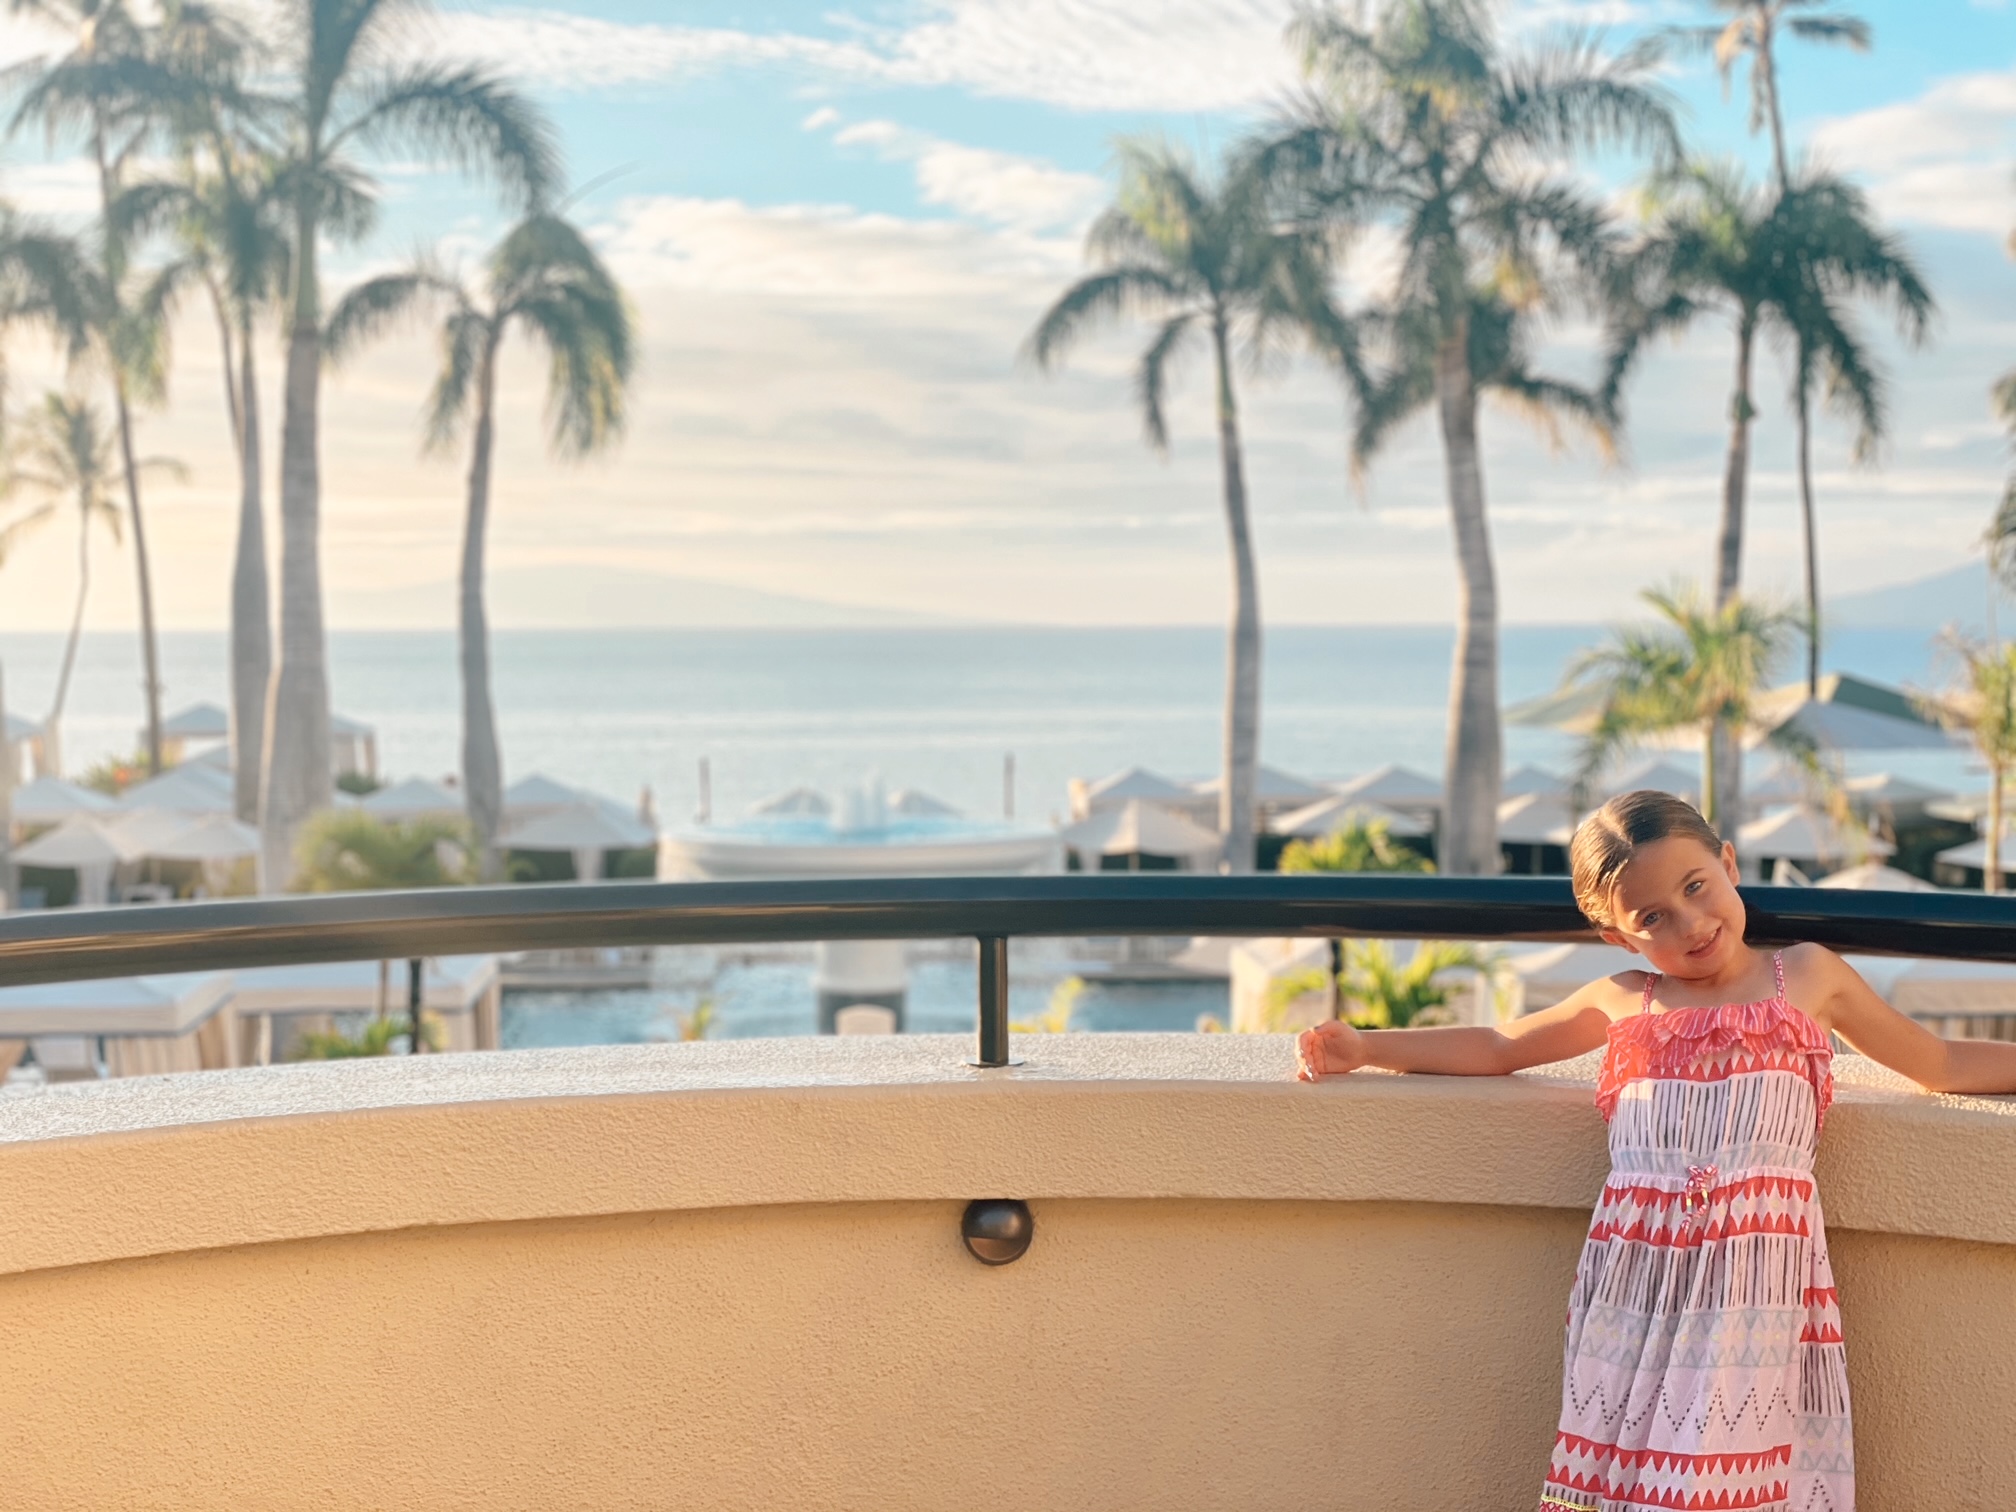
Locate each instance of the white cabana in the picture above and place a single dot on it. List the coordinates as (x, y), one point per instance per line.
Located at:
(79, 845)
(1272, 788)
(1326, 816)
(1129, 785)
(1973, 856)
(1142, 830)
(1531, 779)
(138, 832)
(802, 802)
(1659, 776)
(584, 829)
(1850, 713)
(1550, 973)
(914, 803)
(51, 800)
(1889, 793)
(144, 1025)
(1536, 819)
(1973, 999)
(1873, 876)
(353, 746)
(464, 992)
(415, 798)
(1803, 834)
(216, 842)
(1394, 787)
(536, 794)
(183, 790)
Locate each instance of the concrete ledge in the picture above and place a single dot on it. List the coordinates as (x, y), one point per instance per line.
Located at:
(157, 1165)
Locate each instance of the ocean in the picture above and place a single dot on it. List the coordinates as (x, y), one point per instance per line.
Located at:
(936, 709)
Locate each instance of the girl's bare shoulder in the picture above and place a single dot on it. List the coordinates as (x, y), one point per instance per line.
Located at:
(1618, 996)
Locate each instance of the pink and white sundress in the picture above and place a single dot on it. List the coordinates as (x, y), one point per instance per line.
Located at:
(1704, 1364)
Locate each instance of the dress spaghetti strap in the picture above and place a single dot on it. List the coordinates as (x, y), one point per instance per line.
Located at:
(1778, 971)
(1651, 981)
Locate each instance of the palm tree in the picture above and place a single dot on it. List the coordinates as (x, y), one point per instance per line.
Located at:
(545, 279)
(111, 85)
(1752, 29)
(1201, 256)
(1421, 121)
(1702, 670)
(1983, 705)
(64, 453)
(45, 282)
(341, 97)
(231, 241)
(1361, 845)
(1780, 267)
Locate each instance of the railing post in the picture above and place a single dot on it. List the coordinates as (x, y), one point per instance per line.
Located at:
(993, 1002)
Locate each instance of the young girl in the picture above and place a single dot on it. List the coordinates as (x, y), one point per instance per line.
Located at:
(1704, 1357)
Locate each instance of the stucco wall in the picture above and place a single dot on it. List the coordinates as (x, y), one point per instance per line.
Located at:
(730, 1276)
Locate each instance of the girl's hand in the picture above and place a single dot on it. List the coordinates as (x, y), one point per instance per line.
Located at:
(1332, 1048)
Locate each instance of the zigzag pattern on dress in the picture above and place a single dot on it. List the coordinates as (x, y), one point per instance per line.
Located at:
(1703, 1364)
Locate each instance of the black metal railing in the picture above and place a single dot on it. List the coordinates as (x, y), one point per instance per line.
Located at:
(71, 944)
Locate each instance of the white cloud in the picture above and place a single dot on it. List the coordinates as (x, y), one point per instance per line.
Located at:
(1941, 159)
(1004, 188)
(61, 191)
(820, 119)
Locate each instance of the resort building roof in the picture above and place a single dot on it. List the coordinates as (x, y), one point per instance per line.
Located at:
(1326, 816)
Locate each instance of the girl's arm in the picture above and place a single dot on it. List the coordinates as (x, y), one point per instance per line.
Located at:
(1566, 1030)
(1850, 1007)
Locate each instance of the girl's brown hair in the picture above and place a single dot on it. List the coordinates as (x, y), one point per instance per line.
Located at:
(1606, 841)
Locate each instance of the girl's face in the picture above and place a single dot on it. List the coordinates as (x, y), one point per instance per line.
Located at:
(1676, 905)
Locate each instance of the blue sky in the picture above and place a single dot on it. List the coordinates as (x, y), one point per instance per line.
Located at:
(837, 223)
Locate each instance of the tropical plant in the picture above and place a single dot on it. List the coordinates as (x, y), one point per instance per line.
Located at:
(1752, 30)
(1203, 257)
(2002, 528)
(63, 452)
(1777, 266)
(1699, 669)
(340, 97)
(698, 1024)
(345, 850)
(112, 86)
(1375, 991)
(544, 279)
(1419, 120)
(377, 1036)
(112, 775)
(1360, 845)
(1058, 1012)
(1982, 704)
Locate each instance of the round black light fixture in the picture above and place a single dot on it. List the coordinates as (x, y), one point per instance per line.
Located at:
(997, 1230)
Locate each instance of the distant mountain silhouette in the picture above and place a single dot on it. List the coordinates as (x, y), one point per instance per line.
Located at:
(1957, 596)
(588, 596)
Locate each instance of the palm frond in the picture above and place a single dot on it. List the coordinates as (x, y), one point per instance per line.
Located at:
(468, 117)
(466, 342)
(1094, 300)
(378, 305)
(1151, 377)
(1850, 31)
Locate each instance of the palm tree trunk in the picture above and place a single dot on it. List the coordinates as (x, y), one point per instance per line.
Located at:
(297, 776)
(1710, 754)
(482, 769)
(114, 271)
(1473, 766)
(52, 735)
(251, 607)
(1991, 863)
(1803, 419)
(1236, 799)
(1728, 763)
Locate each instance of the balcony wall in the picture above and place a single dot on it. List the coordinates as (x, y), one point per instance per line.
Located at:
(729, 1276)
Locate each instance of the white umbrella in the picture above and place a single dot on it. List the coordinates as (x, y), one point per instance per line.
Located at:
(415, 798)
(1954, 989)
(183, 790)
(1802, 834)
(1326, 816)
(171, 1004)
(1142, 829)
(1872, 876)
(1974, 854)
(200, 721)
(50, 800)
(1658, 776)
(140, 832)
(1851, 713)
(1394, 787)
(214, 837)
(1550, 973)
